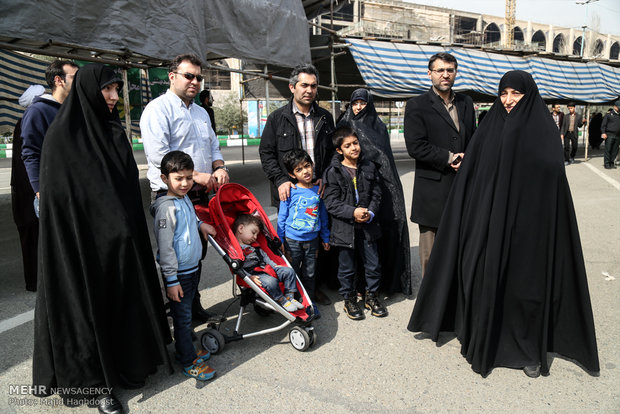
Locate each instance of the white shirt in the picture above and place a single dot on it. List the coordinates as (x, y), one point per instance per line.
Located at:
(167, 124)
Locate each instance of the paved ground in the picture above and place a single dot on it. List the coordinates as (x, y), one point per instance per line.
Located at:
(372, 366)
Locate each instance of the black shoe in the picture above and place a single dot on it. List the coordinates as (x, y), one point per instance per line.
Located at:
(376, 308)
(532, 371)
(352, 309)
(200, 314)
(321, 298)
(108, 404)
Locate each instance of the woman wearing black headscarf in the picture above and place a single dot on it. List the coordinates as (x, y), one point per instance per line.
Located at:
(394, 250)
(506, 273)
(99, 319)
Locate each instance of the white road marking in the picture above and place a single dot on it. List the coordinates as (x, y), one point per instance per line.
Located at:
(604, 176)
(16, 321)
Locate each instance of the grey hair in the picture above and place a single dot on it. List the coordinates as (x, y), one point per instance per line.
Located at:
(304, 68)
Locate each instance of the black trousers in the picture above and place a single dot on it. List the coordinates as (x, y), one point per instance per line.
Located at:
(570, 145)
(611, 149)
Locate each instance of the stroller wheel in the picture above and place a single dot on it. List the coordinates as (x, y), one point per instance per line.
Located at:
(300, 339)
(260, 311)
(213, 341)
(313, 335)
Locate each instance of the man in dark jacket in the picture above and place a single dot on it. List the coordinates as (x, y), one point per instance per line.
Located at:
(570, 132)
(610, 132)
(301, 123)
(438, 127)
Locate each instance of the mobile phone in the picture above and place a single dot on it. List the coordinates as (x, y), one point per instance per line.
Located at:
(457, 160)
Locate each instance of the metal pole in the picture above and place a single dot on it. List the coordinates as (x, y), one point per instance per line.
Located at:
(127, 107)
(266, 99)
(241, 112)
(332, 63)
(586, 132)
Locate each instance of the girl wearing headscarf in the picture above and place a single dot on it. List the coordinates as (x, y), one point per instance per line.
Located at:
(394, 249)
(506, 273)
(99, 318)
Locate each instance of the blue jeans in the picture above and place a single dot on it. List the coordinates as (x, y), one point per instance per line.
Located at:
(286, 275)
(182, 319)
(346, 266)
(303, 260)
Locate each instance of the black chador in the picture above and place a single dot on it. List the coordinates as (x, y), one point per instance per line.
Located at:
(506, 273)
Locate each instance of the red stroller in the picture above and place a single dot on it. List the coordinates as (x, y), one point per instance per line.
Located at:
(230, 201)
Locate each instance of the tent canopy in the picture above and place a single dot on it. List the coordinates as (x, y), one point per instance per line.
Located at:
(399, 70)
(266, 31)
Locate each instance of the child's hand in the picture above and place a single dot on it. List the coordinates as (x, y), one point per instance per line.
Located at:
(361, 215)
(256, 280)
(207, 229)
(325, 246)
(174, 293)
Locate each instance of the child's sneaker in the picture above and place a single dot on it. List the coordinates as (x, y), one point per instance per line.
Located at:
(291, 298)
(202, 356)
(201, 372)
(288, 305)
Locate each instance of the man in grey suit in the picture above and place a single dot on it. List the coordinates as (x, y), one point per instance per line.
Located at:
(569, 132)
(438, 127)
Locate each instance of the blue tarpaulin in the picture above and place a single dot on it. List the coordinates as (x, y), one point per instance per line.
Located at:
(399, 70)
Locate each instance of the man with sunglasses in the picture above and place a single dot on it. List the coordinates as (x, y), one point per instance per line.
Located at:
(438, 127)
(173, 121)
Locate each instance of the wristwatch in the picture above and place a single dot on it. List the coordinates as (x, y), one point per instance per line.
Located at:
(220, 167)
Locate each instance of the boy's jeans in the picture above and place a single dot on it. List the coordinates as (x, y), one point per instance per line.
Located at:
(182, 319)
(346, 267)
(303, 253)
(286, 275)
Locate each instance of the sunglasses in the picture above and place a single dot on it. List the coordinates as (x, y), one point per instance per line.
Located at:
(190, 76)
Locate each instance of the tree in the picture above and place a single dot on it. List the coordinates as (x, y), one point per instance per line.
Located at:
(228, 114)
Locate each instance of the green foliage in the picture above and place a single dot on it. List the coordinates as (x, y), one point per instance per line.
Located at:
(228, 114)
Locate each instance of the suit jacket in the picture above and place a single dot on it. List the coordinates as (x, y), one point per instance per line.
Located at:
(430, 135)
(566, 122)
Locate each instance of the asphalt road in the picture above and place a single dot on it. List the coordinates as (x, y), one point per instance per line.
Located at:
(370, 366)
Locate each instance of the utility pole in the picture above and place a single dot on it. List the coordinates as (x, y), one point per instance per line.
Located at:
(583, 36)
(511, 6)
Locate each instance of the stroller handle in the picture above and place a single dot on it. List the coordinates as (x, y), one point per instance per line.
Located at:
(234, 264)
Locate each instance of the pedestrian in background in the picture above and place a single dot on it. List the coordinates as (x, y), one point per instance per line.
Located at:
(570, 132)
(610, 132)
(22, 195)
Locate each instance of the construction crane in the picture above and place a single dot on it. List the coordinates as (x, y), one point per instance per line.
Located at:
(511, 6)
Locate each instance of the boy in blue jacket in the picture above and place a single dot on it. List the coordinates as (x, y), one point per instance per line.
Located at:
(352, 197)
(302, 220)
(179, 250)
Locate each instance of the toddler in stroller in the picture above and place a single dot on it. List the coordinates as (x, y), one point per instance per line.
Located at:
(264, 271)
(269, 293)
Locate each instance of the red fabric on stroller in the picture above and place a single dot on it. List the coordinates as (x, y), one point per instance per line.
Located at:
(231, 200)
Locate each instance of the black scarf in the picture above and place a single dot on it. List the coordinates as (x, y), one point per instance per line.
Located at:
(99, 316)
(506, 273)
(394, 249)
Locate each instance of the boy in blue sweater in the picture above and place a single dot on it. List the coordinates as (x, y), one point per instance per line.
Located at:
(302, 220)
(179, 251)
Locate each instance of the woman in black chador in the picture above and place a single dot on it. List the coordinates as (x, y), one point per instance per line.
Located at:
(394, 250)
(99, 319)
(506, 273)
